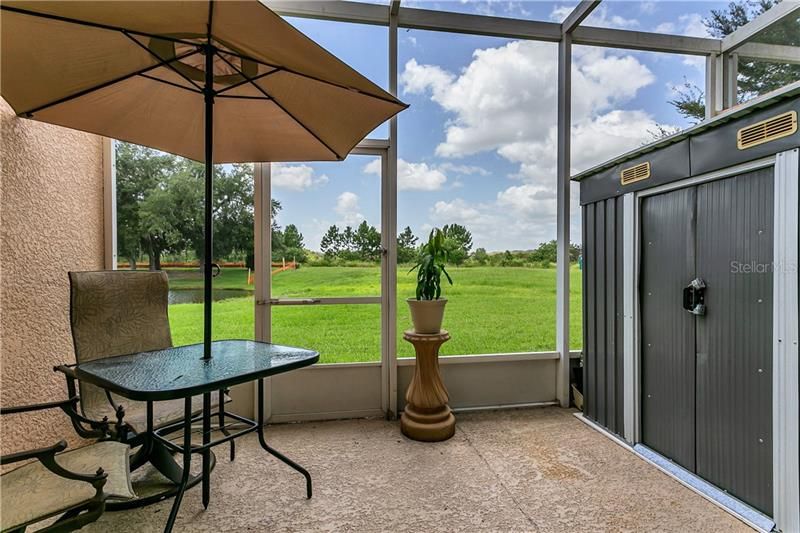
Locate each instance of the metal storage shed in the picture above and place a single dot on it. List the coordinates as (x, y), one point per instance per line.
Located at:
(691, 303)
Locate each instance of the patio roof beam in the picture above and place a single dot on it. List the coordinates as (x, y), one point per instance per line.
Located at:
(769, 17)
(344, 11)
(578, 15)
(770, 52)
(430, 20)
(646, 41)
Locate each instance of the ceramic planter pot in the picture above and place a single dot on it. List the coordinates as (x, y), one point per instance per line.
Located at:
(427, 315)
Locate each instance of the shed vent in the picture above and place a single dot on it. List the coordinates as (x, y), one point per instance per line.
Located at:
(767, 130)
(635, 173)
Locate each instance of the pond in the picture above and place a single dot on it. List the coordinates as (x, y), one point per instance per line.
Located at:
(195, 296)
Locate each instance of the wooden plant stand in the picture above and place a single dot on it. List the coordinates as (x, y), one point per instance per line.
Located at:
(426, 416)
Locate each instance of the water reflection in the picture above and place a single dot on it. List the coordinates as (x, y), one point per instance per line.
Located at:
(195, 296)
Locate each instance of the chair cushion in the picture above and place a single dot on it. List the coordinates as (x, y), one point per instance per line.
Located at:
(32, 492)
(163, 412)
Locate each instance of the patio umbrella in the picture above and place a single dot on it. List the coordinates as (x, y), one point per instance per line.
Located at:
(218, 82)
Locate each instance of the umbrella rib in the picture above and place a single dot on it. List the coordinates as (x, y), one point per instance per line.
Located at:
(245, 97)
(93, 24)
(314, 78)
(178, 85)
(178, 72)
(300, 123)
(29, 113)
(239, 84)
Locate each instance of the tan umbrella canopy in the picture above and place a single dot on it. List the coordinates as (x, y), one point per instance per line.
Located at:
(135, 71)
(213, 81)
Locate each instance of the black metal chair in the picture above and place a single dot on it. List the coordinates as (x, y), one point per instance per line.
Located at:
(74, 484)
(117, 313)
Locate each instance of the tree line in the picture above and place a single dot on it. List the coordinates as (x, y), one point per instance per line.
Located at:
(364, 244)
(160, 210)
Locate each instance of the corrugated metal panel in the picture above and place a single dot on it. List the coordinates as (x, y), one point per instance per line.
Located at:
(667, 334)
(602, 306)
(734, 338)
(619, 310)
(589, 313)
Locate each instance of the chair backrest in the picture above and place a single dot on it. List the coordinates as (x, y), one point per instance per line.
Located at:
(116, 313)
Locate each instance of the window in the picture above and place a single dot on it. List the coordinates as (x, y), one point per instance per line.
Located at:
(477, 153)
(160, 204)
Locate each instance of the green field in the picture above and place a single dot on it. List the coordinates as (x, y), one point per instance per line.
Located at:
(490, 310)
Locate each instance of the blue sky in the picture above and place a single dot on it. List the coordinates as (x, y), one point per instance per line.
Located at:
(476, 146)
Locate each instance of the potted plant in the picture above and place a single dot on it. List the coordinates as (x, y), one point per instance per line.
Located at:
(427, 309)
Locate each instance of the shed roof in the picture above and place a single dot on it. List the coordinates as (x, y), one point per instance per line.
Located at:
(789, 91)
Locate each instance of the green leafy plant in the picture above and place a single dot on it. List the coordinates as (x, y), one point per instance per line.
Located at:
(431, 265)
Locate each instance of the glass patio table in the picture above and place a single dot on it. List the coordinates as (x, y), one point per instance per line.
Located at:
(181, 373)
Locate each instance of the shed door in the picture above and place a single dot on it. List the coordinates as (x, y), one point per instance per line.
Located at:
(706, 379)
(734, 338)
(668, 332)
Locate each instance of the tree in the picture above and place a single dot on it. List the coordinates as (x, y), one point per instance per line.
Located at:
(331, 243)
(232, 208)
(480, 256)
(457, 242)
(347, 248)
(547, 252)
(140, 172)
(233, 211)
(755, 77)
(293, 242)
(367, 242)
(160, 225)
(406, 246)
(292, 237)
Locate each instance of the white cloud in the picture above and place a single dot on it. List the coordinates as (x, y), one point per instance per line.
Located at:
(295, 177)
(647, 7)
(520, 217)
(348, 209)
(599, 18)
(693, 25)
(689, 25)
(507, 95)
(412, 176)
(504, 101)
(467, 170)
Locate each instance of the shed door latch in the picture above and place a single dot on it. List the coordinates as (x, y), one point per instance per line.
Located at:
(694, 299)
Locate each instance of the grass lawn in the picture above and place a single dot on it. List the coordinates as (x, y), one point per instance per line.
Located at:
(490, 310)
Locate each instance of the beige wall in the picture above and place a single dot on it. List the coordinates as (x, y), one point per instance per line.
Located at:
(51, 221)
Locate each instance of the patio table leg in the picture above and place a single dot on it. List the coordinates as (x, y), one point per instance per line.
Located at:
(225, 432)
(142, 456)
(207, 452)
(271, 450)
(187, 463)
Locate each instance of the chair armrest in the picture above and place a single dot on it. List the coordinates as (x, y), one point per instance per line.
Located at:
(67, 370)
(97, 428)
(47, 456)
(33, 454)
(62, 404)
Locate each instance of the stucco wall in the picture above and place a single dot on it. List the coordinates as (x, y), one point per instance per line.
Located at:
(51, 221)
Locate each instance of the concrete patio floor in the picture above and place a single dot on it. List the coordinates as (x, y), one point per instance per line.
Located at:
(522, 470)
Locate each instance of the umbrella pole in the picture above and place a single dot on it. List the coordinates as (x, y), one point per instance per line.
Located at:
(209, 197)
